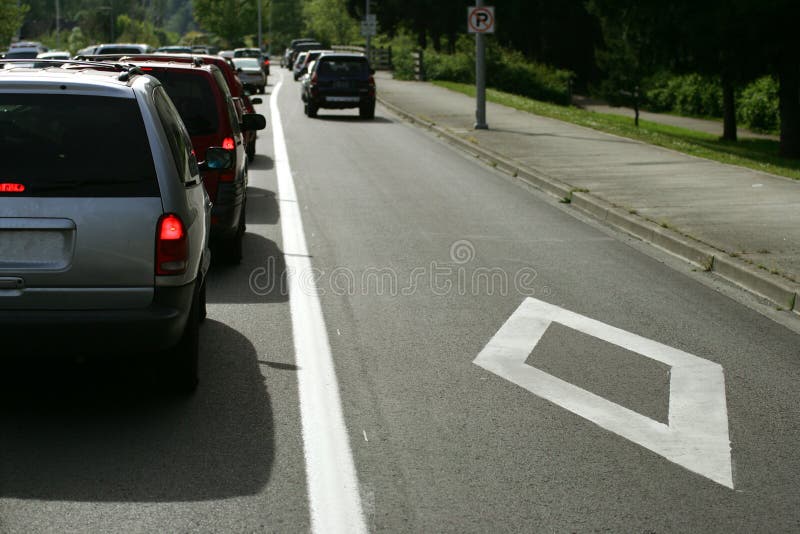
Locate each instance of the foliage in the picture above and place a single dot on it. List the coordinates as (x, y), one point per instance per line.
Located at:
(555, 32)
(688, 94)
(134, 31)
(76, 40)
(403, 45)
(506, 70)
(329, 22)
(231, 20)
(758, 105)
(11, 18)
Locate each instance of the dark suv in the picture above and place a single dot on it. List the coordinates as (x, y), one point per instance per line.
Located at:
(104, 219)
(340, 81)
(205, 104)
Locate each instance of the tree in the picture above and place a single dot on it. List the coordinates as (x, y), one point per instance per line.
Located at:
(638, 39)
(329, 21)
(11, 19)
(231, 20)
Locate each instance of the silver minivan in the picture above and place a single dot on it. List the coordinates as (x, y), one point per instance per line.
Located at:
(104, 220)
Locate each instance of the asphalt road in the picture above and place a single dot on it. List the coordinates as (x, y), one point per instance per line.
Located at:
(420, 256)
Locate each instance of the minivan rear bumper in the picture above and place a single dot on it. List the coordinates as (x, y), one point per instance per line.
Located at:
(99, 332)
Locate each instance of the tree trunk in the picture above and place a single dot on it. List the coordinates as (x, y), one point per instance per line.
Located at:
(728, 110)
(789, 95)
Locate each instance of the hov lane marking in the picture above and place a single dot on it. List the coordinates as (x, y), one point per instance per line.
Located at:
(333, 494)
(697, 435)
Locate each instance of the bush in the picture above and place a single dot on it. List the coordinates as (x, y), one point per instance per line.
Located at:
(689, 94)
(506, 70)
(449, 67)
(402, 47)
(758, 105)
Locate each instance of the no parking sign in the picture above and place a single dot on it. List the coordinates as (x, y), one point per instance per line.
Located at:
(480, 19)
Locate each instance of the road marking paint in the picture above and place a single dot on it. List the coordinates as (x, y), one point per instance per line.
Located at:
(697, 435)
(333, 493)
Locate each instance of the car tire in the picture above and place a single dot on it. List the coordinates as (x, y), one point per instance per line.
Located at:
(367, 111)
(183, 358)
(233, 247)
(203, 311)
(312, 110)
(251, 151)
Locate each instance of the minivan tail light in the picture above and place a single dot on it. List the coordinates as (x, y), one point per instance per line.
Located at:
(11, 188)
(228, 143)
(172, 247)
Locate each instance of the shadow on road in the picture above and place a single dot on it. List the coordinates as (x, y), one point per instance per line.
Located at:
(259, 279)
(104, 431)
(262, 206)
(352, 118)
(261, 163)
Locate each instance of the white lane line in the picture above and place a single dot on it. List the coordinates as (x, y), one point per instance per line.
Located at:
(333, 493)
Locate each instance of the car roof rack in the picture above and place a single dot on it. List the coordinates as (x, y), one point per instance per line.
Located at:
(125, 70)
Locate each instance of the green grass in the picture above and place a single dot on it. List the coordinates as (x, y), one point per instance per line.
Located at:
(758, 154)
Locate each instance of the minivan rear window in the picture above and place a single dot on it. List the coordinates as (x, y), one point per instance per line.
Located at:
(62, 145)
(191, 93)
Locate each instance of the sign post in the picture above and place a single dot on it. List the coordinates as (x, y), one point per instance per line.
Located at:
(480, 20)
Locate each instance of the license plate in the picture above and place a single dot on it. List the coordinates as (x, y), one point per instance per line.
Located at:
(342, 99)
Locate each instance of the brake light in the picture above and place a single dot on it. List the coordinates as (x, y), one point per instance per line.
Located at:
(172, 247)
(266, 63)
(11, 188)
(371, 81)
(146, 68)
(228, 143)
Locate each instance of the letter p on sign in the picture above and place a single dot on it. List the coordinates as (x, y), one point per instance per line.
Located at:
(480, 19)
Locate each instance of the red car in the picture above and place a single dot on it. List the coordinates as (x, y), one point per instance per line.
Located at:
(201, 95)
(228, 71)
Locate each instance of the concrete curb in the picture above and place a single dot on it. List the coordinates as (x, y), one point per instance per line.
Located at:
(783, 293)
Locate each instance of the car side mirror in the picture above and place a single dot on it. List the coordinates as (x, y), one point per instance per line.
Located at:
(253, 121)
(256, 101)
(217, 158)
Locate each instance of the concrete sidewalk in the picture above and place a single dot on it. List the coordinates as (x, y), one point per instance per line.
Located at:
(742, 224)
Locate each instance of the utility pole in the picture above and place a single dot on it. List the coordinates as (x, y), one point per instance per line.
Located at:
(368, 36)
(58, 24)
(480, 78)
(269, 46)
(258, 3)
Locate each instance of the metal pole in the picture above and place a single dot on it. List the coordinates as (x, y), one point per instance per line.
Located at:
(368, 36)
(480, 78)
(269, 46)
(58, 24)
(258, 2)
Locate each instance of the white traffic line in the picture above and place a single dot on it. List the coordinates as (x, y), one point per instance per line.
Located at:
(697, 435)
(333, 492)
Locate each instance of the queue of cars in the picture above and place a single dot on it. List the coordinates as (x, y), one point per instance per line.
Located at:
(109, 247)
